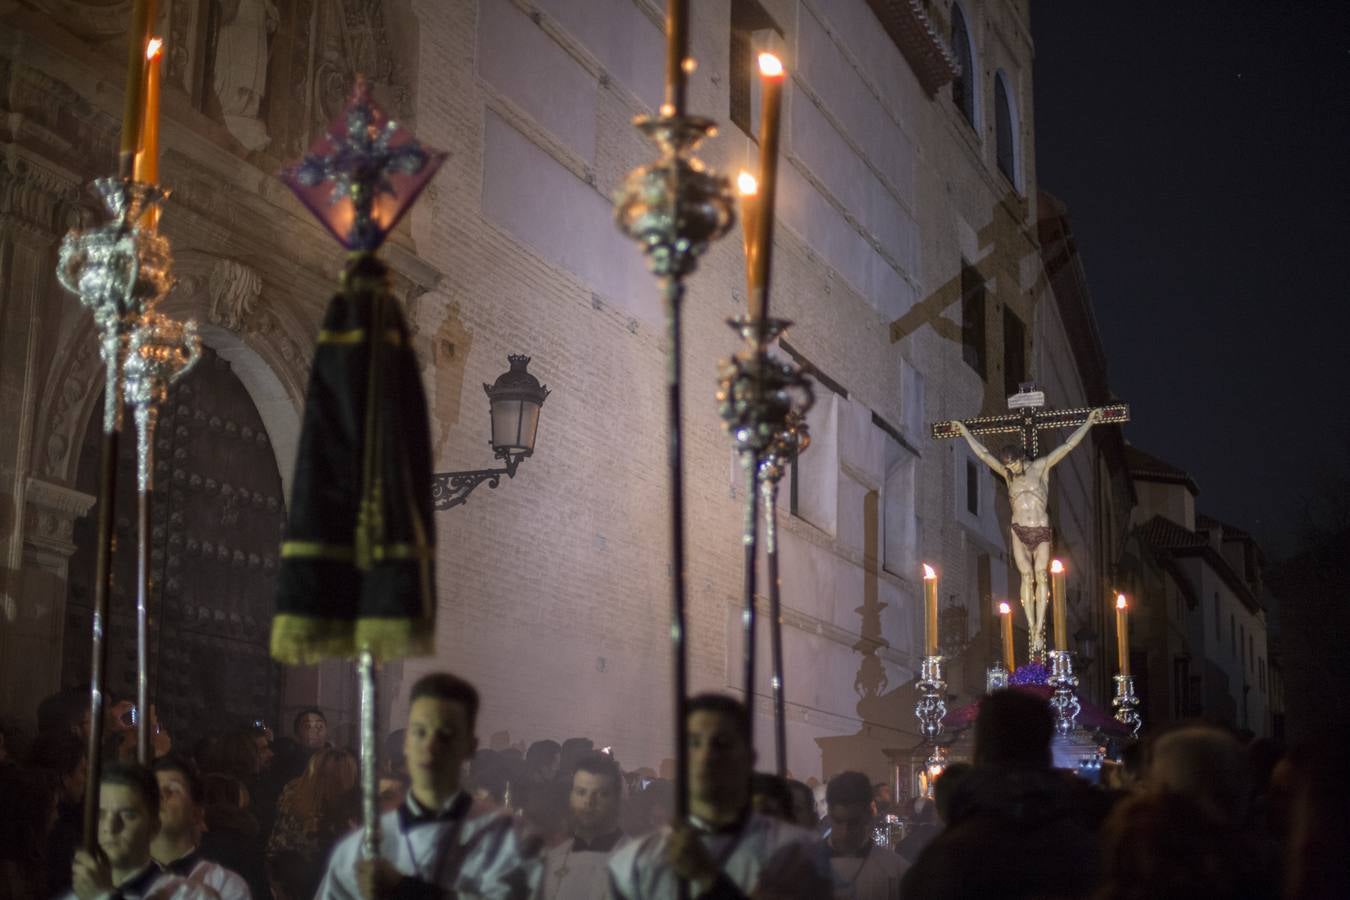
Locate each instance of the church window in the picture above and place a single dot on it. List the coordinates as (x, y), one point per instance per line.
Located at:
(752, 31)
(965, 85)
(1005, 130)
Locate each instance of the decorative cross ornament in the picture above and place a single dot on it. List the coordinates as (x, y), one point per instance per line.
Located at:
(1028, 417)
(363, 174)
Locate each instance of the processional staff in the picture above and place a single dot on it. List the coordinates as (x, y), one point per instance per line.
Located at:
(673, 208)
(120, 270)
(356, 576)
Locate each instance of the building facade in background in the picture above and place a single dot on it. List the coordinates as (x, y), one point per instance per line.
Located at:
(927, 274)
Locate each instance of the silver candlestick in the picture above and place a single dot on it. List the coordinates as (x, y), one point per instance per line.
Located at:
(119, 269)
(674, 208)
(160, 350)
(1063, 691)
(932, 705)
(1126, 704)
(995, 678)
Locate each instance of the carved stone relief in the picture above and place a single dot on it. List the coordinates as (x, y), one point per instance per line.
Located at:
(240, 67)
(234, 289)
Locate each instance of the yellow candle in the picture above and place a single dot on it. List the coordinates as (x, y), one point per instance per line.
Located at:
(772, 76)
(146, 167)
(1122, 634)
(142, 20)
(677, 51)
(1005, 611)
(748, 187)
(1057, 600)
(930, 611)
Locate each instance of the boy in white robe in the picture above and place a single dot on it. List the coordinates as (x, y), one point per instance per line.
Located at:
(437, 841)
(577, 869)
(182, 818)
(725, 851)
(862, 870)
(128, 818)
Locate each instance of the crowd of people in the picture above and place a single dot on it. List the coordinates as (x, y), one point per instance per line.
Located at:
(1194, 812)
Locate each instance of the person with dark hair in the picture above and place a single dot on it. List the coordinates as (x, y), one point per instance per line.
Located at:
(1007, 810)
(861, 870)
(770, 796)
(28, 799)
(181, 823)
(437, 841)
(542, 761)
(233, 837)
(67, 710)
(128, 819)
(724, 849)
(62, 754)
(575, 869)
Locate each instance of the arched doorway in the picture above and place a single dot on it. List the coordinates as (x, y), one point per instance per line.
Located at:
(216, 525)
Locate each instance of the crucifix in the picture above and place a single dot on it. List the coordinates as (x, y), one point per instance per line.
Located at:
(1027, 475)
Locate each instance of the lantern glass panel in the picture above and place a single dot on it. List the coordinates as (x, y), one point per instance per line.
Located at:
(506, 424)
(529, 424)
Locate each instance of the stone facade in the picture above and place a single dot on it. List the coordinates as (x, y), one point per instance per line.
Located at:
(553, 588)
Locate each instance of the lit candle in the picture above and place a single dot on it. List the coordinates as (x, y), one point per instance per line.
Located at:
(142, 20)
(1057, 601)
(146, 167)
(1122, 634)
(748, 188)
(1005, 611)
(772, 75)
(930, 623)
(677, 52)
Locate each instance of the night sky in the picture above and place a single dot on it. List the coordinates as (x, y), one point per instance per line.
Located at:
(1202, 150)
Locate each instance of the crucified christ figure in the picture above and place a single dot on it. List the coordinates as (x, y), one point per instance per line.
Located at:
(1028, 483)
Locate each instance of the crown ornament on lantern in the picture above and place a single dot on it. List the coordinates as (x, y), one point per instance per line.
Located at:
(363, 174)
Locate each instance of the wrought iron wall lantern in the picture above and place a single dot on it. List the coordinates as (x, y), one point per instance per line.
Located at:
(514, 400)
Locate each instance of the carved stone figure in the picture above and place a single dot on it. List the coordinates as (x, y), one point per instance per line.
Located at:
(234, 288)
(241, 67)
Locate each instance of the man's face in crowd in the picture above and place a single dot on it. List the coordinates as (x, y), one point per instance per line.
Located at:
(313, 731)
(719, 760)
(125, 826)
(265, 750)
(178, 814)
(594, 803)
(850, 826)
(438, 741)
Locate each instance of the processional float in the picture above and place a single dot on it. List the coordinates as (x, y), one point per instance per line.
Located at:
(121, 270)
(1027, 418)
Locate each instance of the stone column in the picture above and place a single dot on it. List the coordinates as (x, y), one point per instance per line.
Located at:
(33, 604)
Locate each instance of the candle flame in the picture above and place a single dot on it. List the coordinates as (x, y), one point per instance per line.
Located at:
(153, 47)
(929, 573)
(770, 65)
(1004, 609)
(747, 184)
(1056, 566)
(1120, 601)
(689, 65)
(667, 110)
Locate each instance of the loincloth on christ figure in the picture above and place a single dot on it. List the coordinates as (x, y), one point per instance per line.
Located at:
(1032, 536)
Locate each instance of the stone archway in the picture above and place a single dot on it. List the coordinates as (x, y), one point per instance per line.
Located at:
(216, 524)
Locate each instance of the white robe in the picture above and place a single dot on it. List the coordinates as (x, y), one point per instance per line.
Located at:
(775, 857)
(164, 887)
(225, 882)
(573, 875)
(875, 876)
(482, 857)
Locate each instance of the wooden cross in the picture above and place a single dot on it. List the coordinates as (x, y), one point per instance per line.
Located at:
(1029, 418)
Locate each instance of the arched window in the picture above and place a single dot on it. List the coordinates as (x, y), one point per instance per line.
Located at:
(1005, 129)
(966, 85)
